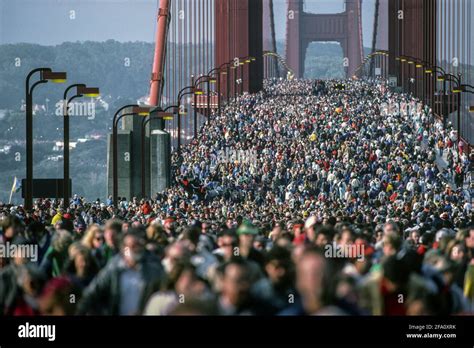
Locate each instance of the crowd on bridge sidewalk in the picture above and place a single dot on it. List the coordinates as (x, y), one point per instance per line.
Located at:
(344, 210)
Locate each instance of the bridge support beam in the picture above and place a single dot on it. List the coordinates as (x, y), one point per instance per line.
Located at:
(239, 34)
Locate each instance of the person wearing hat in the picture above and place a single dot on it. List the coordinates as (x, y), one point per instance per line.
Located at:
(246, 233)
(58, 217)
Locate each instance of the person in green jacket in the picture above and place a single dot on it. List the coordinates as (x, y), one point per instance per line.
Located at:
(57, 254)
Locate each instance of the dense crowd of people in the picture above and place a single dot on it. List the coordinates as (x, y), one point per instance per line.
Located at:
(345, 198)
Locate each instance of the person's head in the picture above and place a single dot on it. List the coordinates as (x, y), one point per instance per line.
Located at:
(190, 237)
(378, 234)
(391, 244)
(156, 234)
(195, 306)
(31, 279)
(346, 237)
(298, 228)
(11, 226)
(94, 237)
(82, 263)
(316, 280)
(236, 281)
(24, 252)
(133, 247)
(395, 273)
(35, 231)
(415, 236)
(112, 233)
(205, 226)
(447, 268)
(279, 265)
(391, 227)
(309, 228)
(169, 225)
(246, 232)
(259, 243)
(174, 254)
(469, 238)
(324, 235)
(456, 251)
(188, 283)
(61, 241)
(277, 230)
(227, 242)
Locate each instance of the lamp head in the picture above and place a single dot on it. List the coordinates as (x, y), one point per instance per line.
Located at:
(165, 115)
(55, 77)
(92, 92)
(141, 110)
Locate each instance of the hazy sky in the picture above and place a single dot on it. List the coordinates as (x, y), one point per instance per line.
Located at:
(51, 22)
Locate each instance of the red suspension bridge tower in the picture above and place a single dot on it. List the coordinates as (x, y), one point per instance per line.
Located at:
(303, 28)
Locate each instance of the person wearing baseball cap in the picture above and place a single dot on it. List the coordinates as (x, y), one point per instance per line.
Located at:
(246, 233)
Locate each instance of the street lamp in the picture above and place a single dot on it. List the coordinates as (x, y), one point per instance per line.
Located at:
(46, 75)
(219, 71)
(438, 70)
(81, 91)
(182, 111)
(198, 91)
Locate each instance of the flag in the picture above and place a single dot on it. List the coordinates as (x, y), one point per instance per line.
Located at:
(15, 188)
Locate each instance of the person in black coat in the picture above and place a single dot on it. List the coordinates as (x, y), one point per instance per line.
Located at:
(124, 286)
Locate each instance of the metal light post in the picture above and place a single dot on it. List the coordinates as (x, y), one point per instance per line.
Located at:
(194, 110)
(182, 112)
(46, 74)
(241, 85)
(81, 91)
(419, 65)
(438, 70)
(198, 91)
(219, 72)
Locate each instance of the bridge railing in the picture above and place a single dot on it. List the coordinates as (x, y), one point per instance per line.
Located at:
(275, 66)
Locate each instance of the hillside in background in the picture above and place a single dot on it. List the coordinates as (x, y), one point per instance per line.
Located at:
(99, 64)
